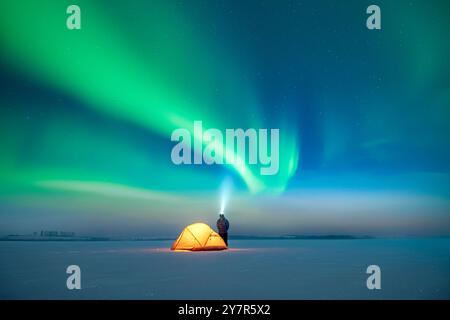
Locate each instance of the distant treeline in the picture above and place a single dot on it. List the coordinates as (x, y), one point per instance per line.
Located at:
(232, 237)
(300, 237)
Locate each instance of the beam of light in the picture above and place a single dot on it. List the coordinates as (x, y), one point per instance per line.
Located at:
(225, 192)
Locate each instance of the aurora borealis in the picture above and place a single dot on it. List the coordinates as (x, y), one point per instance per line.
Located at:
(86, 115)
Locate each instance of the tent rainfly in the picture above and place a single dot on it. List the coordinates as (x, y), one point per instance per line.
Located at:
(199, 237)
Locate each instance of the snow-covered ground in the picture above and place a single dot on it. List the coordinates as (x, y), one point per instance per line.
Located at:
(252, 269)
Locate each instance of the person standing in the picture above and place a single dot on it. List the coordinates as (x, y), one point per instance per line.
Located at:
(222, 226)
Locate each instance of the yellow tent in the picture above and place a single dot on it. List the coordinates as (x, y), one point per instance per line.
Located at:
(198, 237)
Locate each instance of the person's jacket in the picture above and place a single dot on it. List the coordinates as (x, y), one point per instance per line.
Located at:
(223, 225)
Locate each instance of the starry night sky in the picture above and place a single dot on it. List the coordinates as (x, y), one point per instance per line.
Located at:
(86, 115)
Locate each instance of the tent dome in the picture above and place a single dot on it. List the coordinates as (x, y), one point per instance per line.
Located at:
(198, 237)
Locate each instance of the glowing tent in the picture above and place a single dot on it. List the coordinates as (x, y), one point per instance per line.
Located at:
(198, 237)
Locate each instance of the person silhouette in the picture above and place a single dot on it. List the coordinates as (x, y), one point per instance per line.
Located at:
(222, 226)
